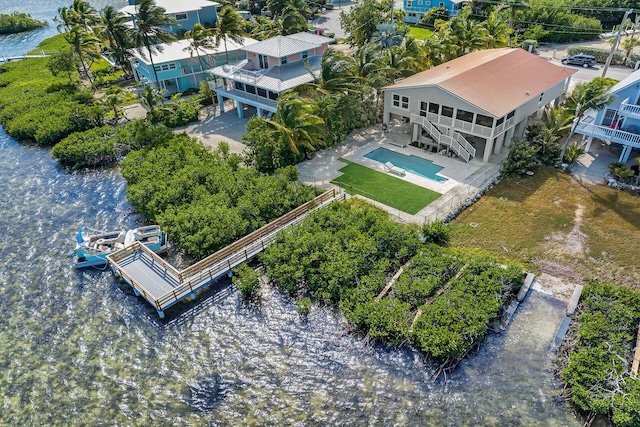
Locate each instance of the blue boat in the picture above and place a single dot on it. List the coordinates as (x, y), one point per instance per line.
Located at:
(93, 246)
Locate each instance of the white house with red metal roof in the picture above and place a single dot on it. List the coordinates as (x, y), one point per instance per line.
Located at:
(271, 67)
(474, 105)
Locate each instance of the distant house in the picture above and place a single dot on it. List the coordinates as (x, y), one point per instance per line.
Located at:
(416, 8)
(474, 105)
(271, 67)
(177, 69)
(619, 122)
(186, 12)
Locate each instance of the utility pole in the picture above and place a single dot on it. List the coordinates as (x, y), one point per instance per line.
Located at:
(615, 44)
(393, 5)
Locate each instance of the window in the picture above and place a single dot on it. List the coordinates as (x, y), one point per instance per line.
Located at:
(165, 67)
(427, 3)
(250, 89)
(409, 3)
(304, 54)
(273, 95)
(283, 60)
(239, 86)
(401, 101)
(419, 2)
(181, 16)
(447, 111)
(484, 120)
(263, 61)
(540, 100)
(441, 4)
(465, 116)
(500, 121)
(609, 117)
(434, 108)
(262, 92)
(511, 114)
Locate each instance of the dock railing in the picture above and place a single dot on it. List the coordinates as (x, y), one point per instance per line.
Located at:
(202, 272)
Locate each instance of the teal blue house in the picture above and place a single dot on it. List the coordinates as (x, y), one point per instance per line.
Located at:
(178, 69)
(186, 12)
(416, 8)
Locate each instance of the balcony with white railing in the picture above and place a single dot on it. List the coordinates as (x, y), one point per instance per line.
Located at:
(460, 125)
(606, 133)
(628, 109)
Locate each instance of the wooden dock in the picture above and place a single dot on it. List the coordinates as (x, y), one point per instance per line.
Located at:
(163, 286)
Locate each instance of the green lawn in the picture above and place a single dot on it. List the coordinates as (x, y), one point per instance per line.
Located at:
(383, 188)
(420, 33)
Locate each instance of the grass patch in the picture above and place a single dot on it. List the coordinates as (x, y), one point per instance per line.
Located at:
(391, 191)
(559, 225)
(50, 45)
(420, 33)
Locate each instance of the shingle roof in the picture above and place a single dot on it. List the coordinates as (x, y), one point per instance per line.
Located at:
(280, 46)
(495, 80)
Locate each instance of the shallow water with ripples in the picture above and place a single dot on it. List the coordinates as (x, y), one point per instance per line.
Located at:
(78, 348)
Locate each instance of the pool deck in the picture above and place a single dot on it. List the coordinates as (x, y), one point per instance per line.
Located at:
(463, 179)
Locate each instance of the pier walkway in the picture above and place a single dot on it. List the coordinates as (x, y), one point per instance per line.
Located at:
(163, 286)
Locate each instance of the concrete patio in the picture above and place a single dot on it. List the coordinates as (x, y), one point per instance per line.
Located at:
(464, 180)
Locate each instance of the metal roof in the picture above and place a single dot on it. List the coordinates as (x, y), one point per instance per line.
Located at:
(176, 51)
(173, 7)
(276, 79)
(281, 46)
(495, 80)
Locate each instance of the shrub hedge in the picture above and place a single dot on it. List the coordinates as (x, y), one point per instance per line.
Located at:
(598, 370)
(345, 253)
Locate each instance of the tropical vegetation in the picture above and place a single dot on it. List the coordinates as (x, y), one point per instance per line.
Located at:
(597, 370)
(202, 198)
(17, 22)
(443, 302)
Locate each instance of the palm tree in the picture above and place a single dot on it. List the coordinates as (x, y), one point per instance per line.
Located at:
(148, 32)
(556, 120)
(627, 45)
(586, 97)
(229, 26)
(395, 63)
(337, 74)
(513, 6)
(297, 124)
(115, 34)
(277, 7)
(293, 21)
(80, 13)
(497, 31)
(386, 35)
(85, 45)
(200, 38)
(65, 19)
(113, 100)
(470, 34)
(85, 15)
(151, 97)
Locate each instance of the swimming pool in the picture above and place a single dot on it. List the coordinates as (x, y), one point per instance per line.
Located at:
(414, 164)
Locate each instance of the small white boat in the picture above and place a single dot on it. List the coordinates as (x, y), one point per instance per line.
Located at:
(93, 246)
(151, 236)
